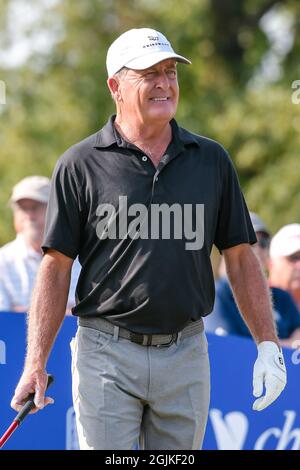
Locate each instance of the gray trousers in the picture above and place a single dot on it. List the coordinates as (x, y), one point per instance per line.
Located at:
(125, 394)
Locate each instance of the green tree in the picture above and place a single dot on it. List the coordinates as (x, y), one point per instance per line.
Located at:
(59, 95)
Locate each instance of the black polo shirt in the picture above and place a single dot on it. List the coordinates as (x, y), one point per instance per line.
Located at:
(143, 234)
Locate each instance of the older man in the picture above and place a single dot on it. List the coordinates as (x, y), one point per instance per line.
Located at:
(142, 201)
(20, 259)
(284, 264)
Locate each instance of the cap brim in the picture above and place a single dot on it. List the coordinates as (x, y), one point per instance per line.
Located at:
(148, 60)
(289, 247)
(32, 196)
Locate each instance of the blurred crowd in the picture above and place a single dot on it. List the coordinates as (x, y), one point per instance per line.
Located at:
(20, 258)
(279, 257)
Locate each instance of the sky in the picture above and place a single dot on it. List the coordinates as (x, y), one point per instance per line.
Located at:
(25, 38)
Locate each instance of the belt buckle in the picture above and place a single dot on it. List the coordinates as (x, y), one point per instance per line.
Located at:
(137, 338)
(174, 337)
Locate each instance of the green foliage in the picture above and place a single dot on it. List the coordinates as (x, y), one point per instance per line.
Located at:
(60, 96)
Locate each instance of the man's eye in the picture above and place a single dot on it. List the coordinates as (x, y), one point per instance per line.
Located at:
(172, 73)
(150, 74)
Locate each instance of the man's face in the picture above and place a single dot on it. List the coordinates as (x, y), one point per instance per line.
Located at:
(150, 95)
(29, 218)
(285, 271)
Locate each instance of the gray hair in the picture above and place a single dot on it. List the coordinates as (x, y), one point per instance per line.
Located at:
(121, 73)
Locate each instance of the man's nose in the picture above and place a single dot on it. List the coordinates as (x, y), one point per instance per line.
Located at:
(163, 81)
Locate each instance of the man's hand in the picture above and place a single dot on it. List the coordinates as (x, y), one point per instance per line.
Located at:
(269, 370)
(31, 383)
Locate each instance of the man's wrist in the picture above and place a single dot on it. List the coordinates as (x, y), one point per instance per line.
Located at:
(269, 347)
(35, 364)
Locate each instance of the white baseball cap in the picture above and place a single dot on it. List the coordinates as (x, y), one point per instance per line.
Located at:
(286, 241)
(32, 187)
(139, 49)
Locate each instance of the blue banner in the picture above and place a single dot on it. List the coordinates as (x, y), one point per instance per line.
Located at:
(231, 425)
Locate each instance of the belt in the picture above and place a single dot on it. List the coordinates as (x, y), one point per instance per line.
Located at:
(159, 340)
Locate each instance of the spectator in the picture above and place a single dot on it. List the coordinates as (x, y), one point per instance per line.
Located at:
(20, 259)
(226, 318)
(284, 264)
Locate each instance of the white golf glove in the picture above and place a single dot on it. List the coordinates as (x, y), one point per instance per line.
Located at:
(269, 370)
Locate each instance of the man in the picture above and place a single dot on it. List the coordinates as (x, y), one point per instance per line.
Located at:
(226, 319)
(285, 260)
(142, 201)
(21, 258)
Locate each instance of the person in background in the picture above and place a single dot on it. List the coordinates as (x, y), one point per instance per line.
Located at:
(284, 267)
(20, 259)
(226, 318)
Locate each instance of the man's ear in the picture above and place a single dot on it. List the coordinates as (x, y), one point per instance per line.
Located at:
(114, 88)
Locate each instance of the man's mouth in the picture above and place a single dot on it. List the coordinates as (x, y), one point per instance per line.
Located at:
(160, 99)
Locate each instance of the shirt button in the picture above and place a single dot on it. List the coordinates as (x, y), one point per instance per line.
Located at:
(156, 179)
(144, 158)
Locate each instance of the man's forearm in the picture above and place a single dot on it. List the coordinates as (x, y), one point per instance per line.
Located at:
(253, 297)
(46, 312)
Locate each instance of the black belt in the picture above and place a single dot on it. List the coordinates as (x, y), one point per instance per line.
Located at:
(98, 323)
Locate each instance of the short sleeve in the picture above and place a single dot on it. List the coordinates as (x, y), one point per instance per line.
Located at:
(234, 224)
(64, 213)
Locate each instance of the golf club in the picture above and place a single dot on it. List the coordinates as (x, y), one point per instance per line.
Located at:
(27, 407)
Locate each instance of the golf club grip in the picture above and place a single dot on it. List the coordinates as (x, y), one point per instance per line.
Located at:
(29, 405)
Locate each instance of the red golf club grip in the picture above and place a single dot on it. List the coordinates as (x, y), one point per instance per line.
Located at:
(29, 405)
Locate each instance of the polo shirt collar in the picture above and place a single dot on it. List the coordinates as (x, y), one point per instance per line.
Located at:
(108, 136)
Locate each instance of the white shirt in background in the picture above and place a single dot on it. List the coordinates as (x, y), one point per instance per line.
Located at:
(19, 264)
